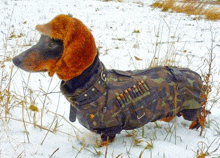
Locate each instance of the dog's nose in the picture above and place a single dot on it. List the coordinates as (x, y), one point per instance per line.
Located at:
(17, 60)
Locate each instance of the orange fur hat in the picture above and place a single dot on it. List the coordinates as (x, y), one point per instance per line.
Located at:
(79, 45)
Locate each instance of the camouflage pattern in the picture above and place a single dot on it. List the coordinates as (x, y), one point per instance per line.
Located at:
(114, 100)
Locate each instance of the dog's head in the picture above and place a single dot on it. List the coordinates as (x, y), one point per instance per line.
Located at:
(66, 47)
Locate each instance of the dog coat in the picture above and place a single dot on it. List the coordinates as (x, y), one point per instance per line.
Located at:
(113, 100)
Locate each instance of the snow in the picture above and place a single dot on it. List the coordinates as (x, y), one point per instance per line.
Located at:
(115, 26)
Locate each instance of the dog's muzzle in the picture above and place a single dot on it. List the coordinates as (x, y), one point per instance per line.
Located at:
(17, 60)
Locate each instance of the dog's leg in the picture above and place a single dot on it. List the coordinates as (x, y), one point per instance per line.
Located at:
(167, 119)
(195, 125)
(107, 139)
(201, 120)
(194, 115)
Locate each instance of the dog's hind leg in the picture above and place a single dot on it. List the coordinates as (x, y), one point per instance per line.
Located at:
(193, 115)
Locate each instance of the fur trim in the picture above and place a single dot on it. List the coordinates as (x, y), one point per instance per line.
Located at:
(79, 45)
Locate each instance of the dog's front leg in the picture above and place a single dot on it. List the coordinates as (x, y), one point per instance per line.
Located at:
(107, 139)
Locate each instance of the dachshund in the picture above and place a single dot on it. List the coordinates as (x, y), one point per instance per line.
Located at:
(109, 101)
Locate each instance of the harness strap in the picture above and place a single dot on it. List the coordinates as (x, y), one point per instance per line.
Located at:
(93, 91)
(73, 111)
(178, 76)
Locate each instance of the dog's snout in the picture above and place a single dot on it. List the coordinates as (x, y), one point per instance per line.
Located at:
(17, 60)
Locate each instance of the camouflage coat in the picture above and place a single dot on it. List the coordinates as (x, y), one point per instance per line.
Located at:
(113, 100)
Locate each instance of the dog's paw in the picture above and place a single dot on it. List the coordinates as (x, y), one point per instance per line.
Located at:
(107, 139)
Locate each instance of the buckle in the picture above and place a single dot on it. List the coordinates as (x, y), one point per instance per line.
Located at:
(176, 73)
(103, 76)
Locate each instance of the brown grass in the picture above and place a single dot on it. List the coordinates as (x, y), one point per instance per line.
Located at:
(210, 11)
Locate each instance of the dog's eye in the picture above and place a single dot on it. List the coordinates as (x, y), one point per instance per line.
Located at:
(51, 44)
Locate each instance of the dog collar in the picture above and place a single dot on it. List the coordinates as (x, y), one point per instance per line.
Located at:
(90, 91)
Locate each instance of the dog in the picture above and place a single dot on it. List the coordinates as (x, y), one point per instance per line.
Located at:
(109, 101)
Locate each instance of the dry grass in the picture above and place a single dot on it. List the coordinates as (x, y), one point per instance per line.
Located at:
(10, 100)
(113, 0)
(207, 10)
(204, 149)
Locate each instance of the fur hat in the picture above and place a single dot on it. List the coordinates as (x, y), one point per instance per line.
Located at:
(79, 45)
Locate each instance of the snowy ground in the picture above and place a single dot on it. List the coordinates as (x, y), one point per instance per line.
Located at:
(123, 31)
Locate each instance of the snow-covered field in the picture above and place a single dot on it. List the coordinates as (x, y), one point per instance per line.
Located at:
(123, 31)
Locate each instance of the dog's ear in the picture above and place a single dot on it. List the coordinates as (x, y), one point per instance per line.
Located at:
(79, 45)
